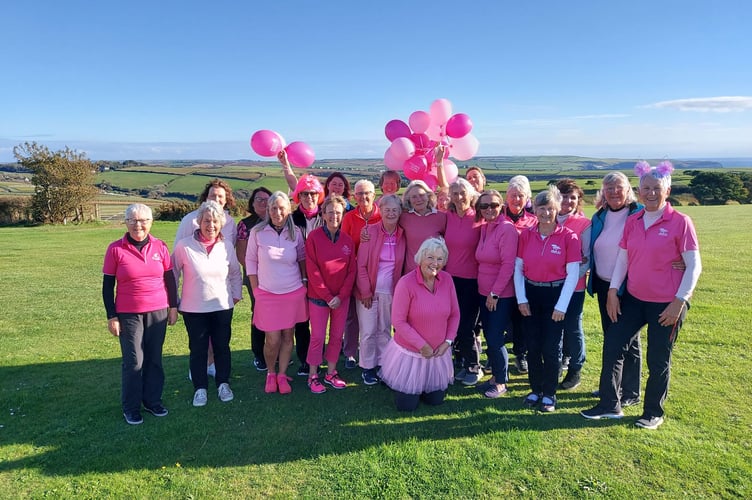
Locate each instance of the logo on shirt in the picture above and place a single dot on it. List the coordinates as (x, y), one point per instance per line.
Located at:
(663, 232)
(156, 257)
(555, 249)
(346, 250)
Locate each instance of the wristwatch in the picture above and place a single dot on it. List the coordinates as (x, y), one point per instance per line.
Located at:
(493, 296)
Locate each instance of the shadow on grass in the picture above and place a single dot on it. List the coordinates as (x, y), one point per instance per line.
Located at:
(65, 418)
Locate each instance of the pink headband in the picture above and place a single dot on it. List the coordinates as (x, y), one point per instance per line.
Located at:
(663, 169)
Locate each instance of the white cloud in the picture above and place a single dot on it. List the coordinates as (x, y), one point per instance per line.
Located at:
(723, 104)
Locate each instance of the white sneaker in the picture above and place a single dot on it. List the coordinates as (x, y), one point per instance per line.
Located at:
(211, 370)
(199, 398)
(225, 393)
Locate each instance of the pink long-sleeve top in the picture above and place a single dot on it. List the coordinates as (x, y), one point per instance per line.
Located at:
(496, 252)
(418, 228)
(274, 259)
(330, 266)
(369, 255)
(461, 237)
(421, 317)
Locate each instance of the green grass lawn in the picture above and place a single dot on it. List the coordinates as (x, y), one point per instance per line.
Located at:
(62, 434)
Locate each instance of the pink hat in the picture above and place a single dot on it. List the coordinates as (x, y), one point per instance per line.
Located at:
(308, 184)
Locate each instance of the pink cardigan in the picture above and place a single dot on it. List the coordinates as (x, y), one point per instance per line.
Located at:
(368, 260)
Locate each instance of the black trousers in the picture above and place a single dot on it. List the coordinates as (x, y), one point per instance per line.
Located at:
(203, 327)
(141, 339)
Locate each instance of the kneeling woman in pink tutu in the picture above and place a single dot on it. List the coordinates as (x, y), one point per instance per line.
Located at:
(417, 362)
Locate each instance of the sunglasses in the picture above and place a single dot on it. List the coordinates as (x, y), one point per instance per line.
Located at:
(485, 206)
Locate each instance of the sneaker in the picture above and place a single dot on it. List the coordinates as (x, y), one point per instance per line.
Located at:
(597, 413)
(370, 377)
(627, 402)
(472, 378)
(571, 381)
(548, 404)
(259, 364)
(271, 383)
(303, 370)
(283, 383)
(521, 363)
(211, 370)
(350, 363)
(460, 376)
(334, 380)
(565, 363)
(225, 393)
(157, 410)
(199, 398)
(495, 391)
(531, 400)
(315, 385)
(133, 417)
(189, 375)
(647, 422)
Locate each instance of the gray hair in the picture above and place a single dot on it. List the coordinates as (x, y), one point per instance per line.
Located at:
(390, 198)
(334, 199)
(406, 205)
(431, 245)
(550, 196)
(663, 180)
(289, 224)
(614, 178)
(521, 184)
(464, 185)
(365, 182)
(212, 208)
(138, 208)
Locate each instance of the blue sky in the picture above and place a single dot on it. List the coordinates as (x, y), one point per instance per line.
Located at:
(193, 80)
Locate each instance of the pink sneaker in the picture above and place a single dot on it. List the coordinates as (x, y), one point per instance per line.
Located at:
(283, 382)
(316, 386)
(271, 383)
(335, 381)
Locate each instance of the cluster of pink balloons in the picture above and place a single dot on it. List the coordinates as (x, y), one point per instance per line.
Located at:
(412, 148)
(270, 143)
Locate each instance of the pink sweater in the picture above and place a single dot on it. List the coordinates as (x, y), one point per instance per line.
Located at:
(496, 252)
(274, 259)
(330, 266)
(418, 228)
(421, 317)
(368, 260)
(462, 236)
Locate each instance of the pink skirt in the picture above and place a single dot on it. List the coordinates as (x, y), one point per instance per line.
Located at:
(409, 372)
(274, 312)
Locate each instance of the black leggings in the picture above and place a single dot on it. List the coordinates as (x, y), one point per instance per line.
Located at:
(409, 402)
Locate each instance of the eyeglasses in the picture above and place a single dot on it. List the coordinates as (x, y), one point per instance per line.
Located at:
(261, 199)
(312, 194)
(486, 206)
(363, 193)
(133, 222)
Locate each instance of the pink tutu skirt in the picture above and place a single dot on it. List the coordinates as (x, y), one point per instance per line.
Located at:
(275, 312)
(409, 372)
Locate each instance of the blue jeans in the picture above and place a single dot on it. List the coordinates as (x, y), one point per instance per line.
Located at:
(494, 324)
(574, 337)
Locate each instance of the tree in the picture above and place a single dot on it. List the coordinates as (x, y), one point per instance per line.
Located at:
(716, 188)
(63, 182)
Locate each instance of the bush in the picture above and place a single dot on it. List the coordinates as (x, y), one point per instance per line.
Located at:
(15, 210)
(174, 210)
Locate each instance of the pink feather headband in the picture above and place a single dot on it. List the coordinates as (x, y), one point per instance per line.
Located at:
(663, 169)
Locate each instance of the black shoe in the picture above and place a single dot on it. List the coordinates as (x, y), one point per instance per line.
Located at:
(627, 402)
(571, 381)
(303, 370)
(521, 363)
(350, 363)
(133, 417)
(259, 364)
(370, 377)
(597, 413)
(157, 410)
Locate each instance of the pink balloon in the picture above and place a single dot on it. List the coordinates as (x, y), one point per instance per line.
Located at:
(415, 167)
(464, 148)
(395, 129)
(300, 154)
(435, 132)
(431, 181)
(459, 125)
(267, 143)
(450, 171)
(402, 148)
(441, 110)
(391, 162)
(421, 141)
(419, 121)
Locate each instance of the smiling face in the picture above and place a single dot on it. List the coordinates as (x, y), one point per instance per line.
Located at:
(489, 206)
(278, 212)
(615, 194)
(259, 203)
(139, 225)
(308, 199)
(476, 179)
(333, 216)
(389, 186)
(546, 214)
(390, 213)
(516, 200)
(364, 195)
(419, 199)
(653, 193)
(336, 186)
(431, 263)
(217, 194)
(569, 202)
(209, 226)
(460, 198)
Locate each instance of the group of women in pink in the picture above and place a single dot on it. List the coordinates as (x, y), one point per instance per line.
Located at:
(516, 267)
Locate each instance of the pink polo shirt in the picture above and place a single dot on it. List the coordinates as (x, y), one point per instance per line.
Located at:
(525, 221)
(546, 259)
(418, 228)
(497, 249)
(139, 275)
(651, 251)
(461, 237)
(274, 259)
(421, 317)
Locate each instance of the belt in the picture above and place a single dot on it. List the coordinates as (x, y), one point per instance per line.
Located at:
(547, 284)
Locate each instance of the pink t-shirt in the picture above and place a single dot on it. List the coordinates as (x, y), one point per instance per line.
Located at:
(139, 275)
(651, 251)
(418, 228)
(387, 258)
(274, 259)
(496, 251)
(546, 259)
(421, 317)
(461, 237)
